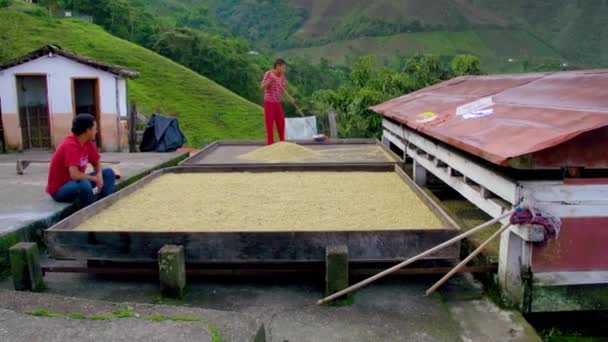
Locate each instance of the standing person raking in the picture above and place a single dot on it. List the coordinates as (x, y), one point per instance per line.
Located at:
(67, 178)
(274, 85)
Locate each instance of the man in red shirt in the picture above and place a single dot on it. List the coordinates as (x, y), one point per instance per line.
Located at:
(67, 178)
(274, 85)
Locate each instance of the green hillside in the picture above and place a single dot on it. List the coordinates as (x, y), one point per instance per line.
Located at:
(206, 110)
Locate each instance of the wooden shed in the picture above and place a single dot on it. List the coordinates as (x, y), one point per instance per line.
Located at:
(500, 140)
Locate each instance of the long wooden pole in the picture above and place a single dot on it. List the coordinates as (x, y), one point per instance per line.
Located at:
(464, 262)
(412, 259)
(132, 129)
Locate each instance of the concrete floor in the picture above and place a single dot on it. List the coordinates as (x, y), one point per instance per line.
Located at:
(390, 310)
(23, 199)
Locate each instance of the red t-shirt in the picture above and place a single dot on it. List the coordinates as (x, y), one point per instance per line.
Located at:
(70, 153)
(274, 91)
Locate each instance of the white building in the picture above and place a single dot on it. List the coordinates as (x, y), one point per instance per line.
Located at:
(40, 94)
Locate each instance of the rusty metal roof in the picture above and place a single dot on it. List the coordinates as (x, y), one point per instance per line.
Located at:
(53, 49)
(505, 116)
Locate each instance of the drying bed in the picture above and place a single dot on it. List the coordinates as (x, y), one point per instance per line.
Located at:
(286, 214)
(332, 152)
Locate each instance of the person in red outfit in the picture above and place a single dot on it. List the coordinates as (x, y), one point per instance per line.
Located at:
(67, 180)
(274, 85)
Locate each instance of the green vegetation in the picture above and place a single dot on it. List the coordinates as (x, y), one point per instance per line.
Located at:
(369, 86)
(127, 312)
(269, 23)
(120, 313)
(45, 313)
(206, 110)
(6, 242)
(215, 333)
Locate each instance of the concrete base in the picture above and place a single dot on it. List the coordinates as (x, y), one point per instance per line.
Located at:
(336, 269)
(25, 267)
(172, 271)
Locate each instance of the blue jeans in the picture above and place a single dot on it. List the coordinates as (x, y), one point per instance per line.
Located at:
(83, 190)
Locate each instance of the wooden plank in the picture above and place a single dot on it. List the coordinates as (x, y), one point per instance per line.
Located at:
(197, 158)
(490, 206)
(394, 140)
(498, 184)
(231, 271)
(570, 278)
(132, 128)
(200, 154)
(393, 127)
(368, 246)
(559, 192)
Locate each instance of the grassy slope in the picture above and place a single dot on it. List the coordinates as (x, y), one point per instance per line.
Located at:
(206, 110)
(494, 47)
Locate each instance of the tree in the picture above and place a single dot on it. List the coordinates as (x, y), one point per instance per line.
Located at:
(370, 85)
(465, 65)
(52, 5)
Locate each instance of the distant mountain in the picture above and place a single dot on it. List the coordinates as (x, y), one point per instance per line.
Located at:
(510, 34)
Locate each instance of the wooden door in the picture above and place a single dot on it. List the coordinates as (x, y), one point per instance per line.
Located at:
(34, 112)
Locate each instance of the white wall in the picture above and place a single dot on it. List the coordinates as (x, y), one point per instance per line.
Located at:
(60, 71)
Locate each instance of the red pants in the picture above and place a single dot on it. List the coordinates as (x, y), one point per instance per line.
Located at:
(273, 114)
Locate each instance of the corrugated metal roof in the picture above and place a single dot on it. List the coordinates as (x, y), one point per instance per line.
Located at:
(48, 49)
(524, 113)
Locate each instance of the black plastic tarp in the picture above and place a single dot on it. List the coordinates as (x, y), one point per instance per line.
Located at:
(162, 135)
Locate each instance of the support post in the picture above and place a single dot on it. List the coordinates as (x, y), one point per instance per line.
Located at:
(25, 267)
(172, 271)
(420, 174)
(333, 126)
(336, 269)
(514, 259)
(133, 128)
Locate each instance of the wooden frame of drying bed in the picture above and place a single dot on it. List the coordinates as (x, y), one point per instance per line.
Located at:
(379, 245)
(199, 159)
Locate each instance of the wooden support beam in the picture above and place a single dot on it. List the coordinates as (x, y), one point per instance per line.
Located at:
(501, 186)
(491, 206)
(420, 174)
(132, 128)
(515, 257)
(333, 126)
